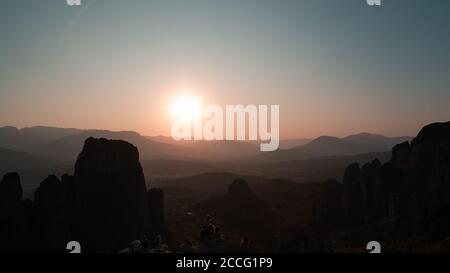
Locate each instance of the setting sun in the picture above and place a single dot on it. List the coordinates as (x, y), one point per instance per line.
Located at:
(186, 108)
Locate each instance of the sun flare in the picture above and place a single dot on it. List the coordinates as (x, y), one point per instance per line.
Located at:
(186, 108)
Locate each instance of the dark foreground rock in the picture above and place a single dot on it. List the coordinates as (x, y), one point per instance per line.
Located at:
(410, 194)
(112, 203)
(104, 206)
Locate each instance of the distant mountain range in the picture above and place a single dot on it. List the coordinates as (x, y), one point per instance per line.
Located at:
(292, 143)
(37, 151)
(331, 146)
(64, 144)
(29, 138)
(14, 161)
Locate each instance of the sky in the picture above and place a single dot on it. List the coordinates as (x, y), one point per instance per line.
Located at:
(334, 67)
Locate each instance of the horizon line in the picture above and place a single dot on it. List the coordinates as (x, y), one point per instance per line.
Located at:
(167, 136)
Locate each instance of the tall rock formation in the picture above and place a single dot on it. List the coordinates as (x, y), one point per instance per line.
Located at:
(412, 190)
(10, 192)
(112, 204)
(50, 226)
(329, 210)
(354, 194)
(13, 220)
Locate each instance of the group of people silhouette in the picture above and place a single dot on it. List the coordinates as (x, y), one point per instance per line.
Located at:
(152, 244)
(210, 233)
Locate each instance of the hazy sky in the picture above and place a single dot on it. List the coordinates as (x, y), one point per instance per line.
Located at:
(335, 67)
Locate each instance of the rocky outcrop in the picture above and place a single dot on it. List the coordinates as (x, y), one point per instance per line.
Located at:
(239, 207)
(50, 225)
(242, 204)
(10, 193)
(375, 190)
(354, 194)
(329, 211)
(13, 220)
(400, 154)
(412, 190)
(104, 206)
(111, 192)
(240, 191)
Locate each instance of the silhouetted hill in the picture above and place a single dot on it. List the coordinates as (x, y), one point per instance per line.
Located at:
(314, 169)
(218, 183)
(66, 149)
(326, 146)
(331, 146)
(206, 182)
(165, 139)
(28, 138)
(239, 208)
(63, 144)
(19, 161)
(292, 143)
(383, 142)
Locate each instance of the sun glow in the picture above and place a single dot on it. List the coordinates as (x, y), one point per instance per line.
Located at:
(186, 108)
